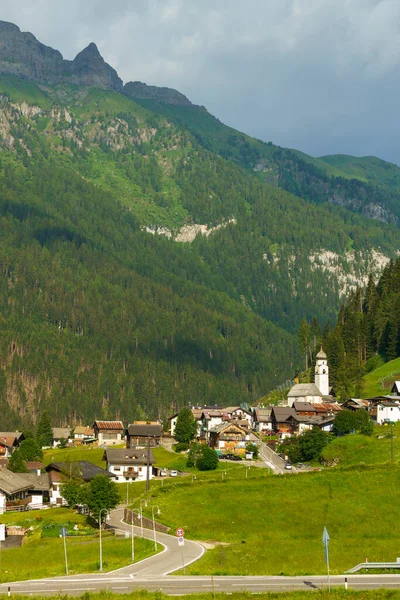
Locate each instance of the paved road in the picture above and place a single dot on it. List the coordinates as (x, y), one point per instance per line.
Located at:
(172, 558)
(153, 574)
(268, 456)
(185, 585)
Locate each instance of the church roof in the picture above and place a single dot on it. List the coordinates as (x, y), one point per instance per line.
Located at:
(321, 354)
(304, 389)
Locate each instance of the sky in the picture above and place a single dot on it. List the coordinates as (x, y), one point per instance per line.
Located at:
(321, 76)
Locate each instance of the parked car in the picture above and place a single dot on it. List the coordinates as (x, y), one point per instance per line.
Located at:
(288, 466)
(173, 473)
(236, 457)
(163, 473)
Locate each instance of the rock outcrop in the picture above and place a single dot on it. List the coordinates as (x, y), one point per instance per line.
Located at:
(23, 55)
(137, 89)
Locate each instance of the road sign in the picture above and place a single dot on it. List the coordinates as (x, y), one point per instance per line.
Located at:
(180, 533)
(63, 532)
(181, 541)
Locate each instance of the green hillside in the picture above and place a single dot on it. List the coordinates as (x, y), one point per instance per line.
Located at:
(340, 500)
(367, 168)
(357, 449)
(379, 381)
(103, 319)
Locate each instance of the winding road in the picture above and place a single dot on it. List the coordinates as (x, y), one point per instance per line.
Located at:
(153, 574)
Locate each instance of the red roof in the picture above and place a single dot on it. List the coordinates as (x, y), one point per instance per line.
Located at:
(114, 425)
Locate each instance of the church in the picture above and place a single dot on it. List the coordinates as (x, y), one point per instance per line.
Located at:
(315, 393)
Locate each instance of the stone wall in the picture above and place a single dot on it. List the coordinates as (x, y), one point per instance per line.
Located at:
(147, 523)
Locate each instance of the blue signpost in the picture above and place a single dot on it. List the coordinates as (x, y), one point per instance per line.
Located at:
(325, 541)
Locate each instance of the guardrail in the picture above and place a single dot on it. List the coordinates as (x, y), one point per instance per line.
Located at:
(374, 565)
(269, 455)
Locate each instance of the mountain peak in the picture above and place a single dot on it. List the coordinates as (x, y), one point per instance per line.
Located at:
(6, 26)
(90, 52)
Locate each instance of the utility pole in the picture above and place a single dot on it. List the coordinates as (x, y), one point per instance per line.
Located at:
(148, 465)
(391, 444)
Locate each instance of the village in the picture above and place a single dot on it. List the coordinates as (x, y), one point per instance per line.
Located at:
(128, 451)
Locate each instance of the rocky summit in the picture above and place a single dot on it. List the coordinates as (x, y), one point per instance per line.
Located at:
(137, 89)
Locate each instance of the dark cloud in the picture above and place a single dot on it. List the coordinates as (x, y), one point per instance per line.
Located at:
(318, 75)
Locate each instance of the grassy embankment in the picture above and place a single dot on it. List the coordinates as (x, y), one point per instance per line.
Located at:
(42, 553)
(351, 450)
(273, 525)
(335, 594)
(380, 381)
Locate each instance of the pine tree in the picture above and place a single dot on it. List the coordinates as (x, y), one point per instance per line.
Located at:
(186, 426)
(44, 432)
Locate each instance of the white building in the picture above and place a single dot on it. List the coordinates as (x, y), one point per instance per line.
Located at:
(129, 464)
(387, 411)
(322, 373)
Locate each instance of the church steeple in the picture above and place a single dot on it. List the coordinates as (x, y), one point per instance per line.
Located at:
(322, 373)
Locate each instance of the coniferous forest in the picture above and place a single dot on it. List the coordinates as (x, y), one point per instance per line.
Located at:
(105, 314)
(366, 332)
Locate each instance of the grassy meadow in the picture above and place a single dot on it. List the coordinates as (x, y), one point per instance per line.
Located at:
(27, 561)
(273, 525)
(379, 381)
(352, 450)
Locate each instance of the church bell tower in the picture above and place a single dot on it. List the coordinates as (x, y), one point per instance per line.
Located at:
(322, 373)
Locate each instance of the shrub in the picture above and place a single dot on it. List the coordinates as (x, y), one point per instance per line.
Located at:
(181, 447)
(208, 460)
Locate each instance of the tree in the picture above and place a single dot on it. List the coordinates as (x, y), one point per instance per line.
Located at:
(208, 460)
(16, 464)
(186, 426)
(345, 422)
(252, 448)
(365, 423)
(101, 493)
(29, 450)
(44, 433)
(75, 492)
(311, 443)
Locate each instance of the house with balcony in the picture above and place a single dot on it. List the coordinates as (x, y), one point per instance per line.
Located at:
(9, 441)
(129, 464)
(228, 437)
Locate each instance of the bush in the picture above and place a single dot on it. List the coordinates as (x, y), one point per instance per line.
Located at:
(252, 448)
(181, 447)
(208, 460)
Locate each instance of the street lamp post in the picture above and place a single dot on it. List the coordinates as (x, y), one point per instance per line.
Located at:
(141, 515)
(133, 510)
(101, 549)
(154, 523)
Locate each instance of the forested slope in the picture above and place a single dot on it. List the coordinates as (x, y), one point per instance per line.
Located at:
(101, 318)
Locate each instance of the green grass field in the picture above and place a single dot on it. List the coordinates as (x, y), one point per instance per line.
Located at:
(379, 381)
(355, 449)
(93, 455)
(273, 525)
(27, 561)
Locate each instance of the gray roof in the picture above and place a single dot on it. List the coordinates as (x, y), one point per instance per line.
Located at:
(304, 389)
(321, 354)
(11, 483)
(86, 470)
(263, 415)
(303, 406)
(144, 430)
(127, 456)
(61, 433)
(283, 413)
(37, 482)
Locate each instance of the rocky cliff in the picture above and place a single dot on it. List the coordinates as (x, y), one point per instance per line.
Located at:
(137, 89)
(23, 55)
